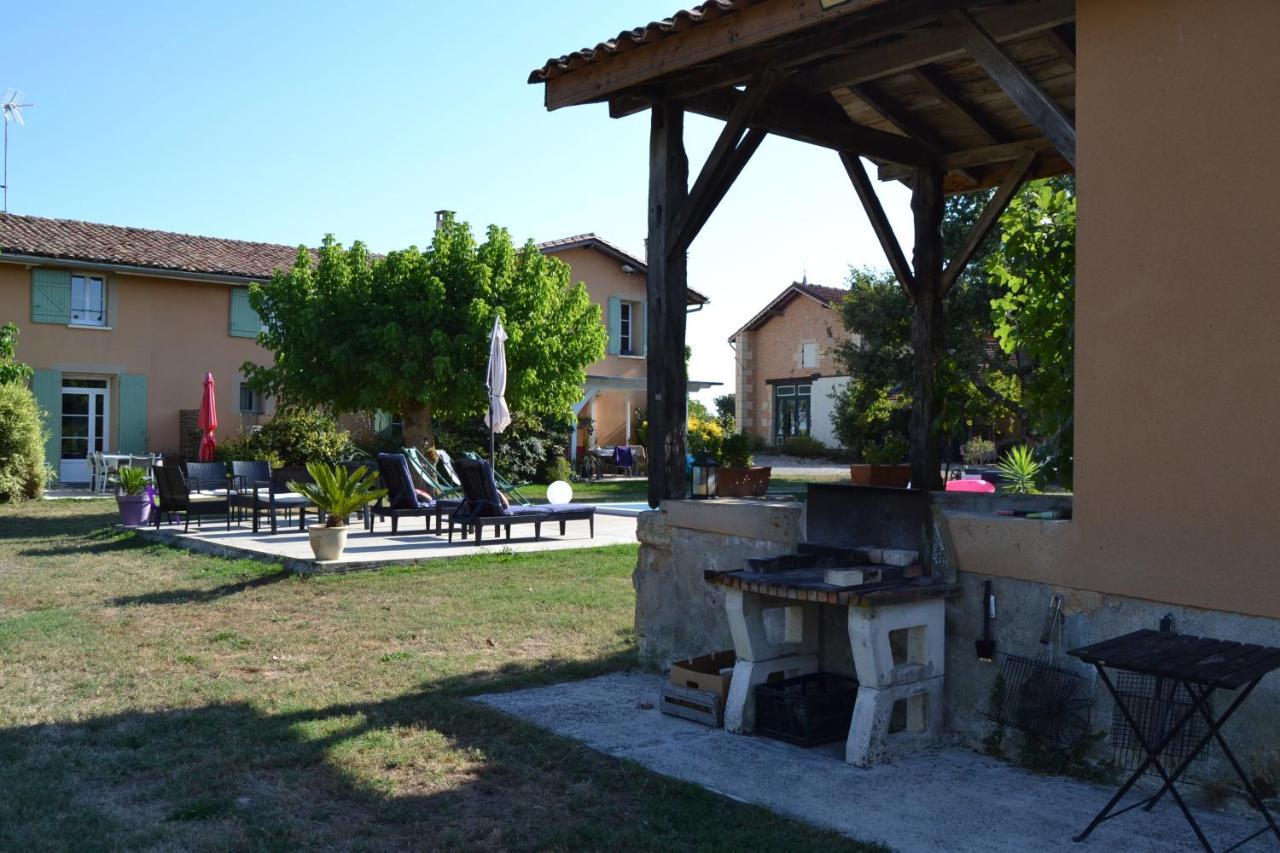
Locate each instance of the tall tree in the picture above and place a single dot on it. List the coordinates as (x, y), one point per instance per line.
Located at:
(409, 332)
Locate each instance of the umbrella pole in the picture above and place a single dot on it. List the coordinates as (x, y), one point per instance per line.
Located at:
(493, 462)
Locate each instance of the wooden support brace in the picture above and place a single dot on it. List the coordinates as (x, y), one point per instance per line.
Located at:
(1013, 181)
(879, 222)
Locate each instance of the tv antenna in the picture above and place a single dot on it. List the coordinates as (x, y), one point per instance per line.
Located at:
(13, 107)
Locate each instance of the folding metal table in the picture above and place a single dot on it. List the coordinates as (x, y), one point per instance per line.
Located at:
(1201, 666)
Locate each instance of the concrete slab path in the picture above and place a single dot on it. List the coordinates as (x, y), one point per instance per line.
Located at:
(946, 799)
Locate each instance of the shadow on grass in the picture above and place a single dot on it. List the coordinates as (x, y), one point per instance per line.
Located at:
(197, 595)
(426, 769)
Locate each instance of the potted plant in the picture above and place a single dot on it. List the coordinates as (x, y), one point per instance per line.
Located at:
(337, 493)
(882, 463)
(737, 476)
(133, 500)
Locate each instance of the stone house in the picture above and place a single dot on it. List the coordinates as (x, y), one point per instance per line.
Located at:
(786, 368)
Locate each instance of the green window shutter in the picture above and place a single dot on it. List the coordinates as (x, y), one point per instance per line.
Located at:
(132, 436)
(46, 385)
(50, 296)
(615, 325)
(640, 320)
(244, 320)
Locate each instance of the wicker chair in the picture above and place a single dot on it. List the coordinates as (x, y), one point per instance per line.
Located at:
(174, 495)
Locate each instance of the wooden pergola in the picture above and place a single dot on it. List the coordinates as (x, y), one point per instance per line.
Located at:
(945, 96)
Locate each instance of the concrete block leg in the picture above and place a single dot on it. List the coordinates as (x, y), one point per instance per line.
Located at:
(764, 628)
(894, 720)
(740, 706)
(916, 631)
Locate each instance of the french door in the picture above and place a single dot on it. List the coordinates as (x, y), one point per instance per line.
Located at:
(83, 428)
(790, 411)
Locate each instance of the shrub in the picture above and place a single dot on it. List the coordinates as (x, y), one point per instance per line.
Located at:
(1020, 471)
(803, 446)
(736, 451)
(22, 468)
(978, 451)
(706, 435)
(557, 468)
(523, 450)
(889, 450)
(759, 443)
(291, 438)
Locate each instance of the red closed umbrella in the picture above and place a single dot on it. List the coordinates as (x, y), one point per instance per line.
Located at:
(207, 420)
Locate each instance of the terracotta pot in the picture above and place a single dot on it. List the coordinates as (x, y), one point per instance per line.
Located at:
(742, 482)
(135, 510)
(897, 476)
(327, 542)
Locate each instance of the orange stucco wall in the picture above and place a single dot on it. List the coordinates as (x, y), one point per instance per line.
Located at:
(773, 351)
(169, 330)
(1178, 304)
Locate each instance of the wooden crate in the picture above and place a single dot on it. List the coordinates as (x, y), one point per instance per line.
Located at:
(701, 706)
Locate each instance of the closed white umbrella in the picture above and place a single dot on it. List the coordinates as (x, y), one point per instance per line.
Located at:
(496, 381)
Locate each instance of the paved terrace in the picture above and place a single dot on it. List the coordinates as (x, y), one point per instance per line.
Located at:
(380, 548)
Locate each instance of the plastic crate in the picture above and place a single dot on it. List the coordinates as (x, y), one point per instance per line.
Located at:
(807, 710)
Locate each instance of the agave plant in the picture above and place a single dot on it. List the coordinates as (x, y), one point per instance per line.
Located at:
(133, 481)
(1020, 471)
(337, 491)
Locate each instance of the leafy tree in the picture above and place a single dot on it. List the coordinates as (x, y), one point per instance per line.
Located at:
(726, 408)
(409, 332)
(1034, 314)
(11, 370)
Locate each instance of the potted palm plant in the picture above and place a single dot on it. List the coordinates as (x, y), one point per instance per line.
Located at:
(132, 499)
(737, 476)
(337, 493)
(882, 463)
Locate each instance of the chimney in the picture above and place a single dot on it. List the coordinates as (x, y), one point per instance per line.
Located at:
(440, 217)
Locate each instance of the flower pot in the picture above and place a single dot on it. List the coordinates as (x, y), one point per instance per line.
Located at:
(897, 476)
(135, 510)
(327, 542)
(742, 482)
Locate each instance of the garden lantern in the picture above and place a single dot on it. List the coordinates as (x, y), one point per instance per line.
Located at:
(704, 476)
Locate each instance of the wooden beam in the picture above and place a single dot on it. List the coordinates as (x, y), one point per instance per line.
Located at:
(1021, 87)
(1013, 181)
(1006, 153)
(946, 92)
(818, 121)
(705, 43)
(695, 214)
(926, 328)
(893, 113)
(879, 222)
(665, 322)
(1063, 40)
(710, 186)
(926, 47)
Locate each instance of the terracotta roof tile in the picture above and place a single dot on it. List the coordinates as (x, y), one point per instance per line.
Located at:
(591, 241)
(826, 295)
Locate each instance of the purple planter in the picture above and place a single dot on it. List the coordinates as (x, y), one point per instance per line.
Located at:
(135, 510)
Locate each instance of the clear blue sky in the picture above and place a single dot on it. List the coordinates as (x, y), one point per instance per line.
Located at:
(281, 121)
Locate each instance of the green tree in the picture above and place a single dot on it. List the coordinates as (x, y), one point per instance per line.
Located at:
(409, 332)
(11, 370)
(1034, 315)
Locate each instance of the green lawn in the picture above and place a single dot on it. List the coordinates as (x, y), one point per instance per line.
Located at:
(152, 698)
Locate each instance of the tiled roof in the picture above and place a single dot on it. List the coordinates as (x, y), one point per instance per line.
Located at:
(826, 295)
(591, 241)
(629, 39)
(89, 242)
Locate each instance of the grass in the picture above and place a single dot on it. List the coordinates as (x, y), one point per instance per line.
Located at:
(638, 490)
(161, 699)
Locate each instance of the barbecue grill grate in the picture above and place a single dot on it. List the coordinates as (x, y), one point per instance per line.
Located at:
(1041, 699)
(1156, 704)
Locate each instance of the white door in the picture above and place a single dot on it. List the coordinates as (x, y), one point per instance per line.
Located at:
(84, 427)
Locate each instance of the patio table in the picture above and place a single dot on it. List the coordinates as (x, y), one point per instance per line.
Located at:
(1201, 666)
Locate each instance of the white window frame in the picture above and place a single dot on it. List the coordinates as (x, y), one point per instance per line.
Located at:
(805, 350)
(626, 323)
(84, 315)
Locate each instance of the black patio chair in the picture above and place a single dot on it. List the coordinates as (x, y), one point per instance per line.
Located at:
(273, 496)
(173, 494)
(402, 499)
(208, 478)
(247, 478)
(483, 505)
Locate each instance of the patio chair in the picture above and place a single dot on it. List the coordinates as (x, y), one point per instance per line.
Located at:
(250, 487)
(402, 499)
(504, 485)
(275, 497)
(208, 478)
(173, 494)
(483, 505)
(431, 476)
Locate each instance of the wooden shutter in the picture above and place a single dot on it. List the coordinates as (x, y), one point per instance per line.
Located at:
(50, 297)
(46, 385)
(132, 434)
(615, 325)
(245, 322)
(640, 327)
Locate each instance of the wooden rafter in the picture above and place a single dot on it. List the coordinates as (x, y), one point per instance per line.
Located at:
(946, 92)
(1022, 89)
(973, 158)
(879, 222)
(1064, 42)
(899, 118)
(723, 165)
(1013, 181)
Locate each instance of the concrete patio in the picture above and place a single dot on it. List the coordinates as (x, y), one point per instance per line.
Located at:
(381, 548)
(945, 799)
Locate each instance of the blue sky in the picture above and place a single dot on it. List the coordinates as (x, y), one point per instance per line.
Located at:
(283, 121)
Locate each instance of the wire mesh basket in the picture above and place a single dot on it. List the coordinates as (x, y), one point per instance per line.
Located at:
(1047, 701)
(1156, 704)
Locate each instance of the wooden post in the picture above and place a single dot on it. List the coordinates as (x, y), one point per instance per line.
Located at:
(926, 326)
(667, 277)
